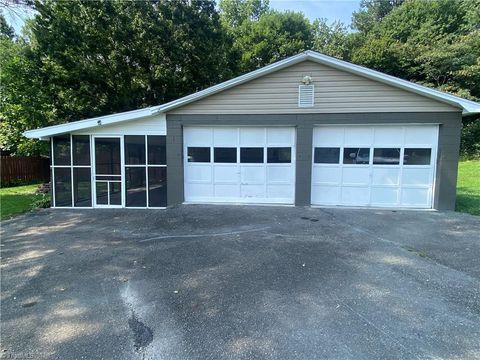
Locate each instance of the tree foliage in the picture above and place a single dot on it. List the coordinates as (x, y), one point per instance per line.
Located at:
(100, 57)
(371, 12)
(83, 58)
(275, 36)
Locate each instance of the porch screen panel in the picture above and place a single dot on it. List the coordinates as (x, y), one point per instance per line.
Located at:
(63, 186)
(61, 171)
(145, 171)
(157, 171)
(135, 171)
(71, 171)
(82, 172)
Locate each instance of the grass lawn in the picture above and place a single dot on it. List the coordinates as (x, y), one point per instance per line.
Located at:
(17, 200)
(468, 187)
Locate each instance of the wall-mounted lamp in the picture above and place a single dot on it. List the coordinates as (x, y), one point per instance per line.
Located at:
(307, 80)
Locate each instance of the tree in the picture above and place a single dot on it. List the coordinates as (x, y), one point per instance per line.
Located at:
(23, 103)
(434, 43)
(332, 40)
(98, 57)
(274, 36)
(104, 56)
(371, 12)
(6, 31)
(235, 12)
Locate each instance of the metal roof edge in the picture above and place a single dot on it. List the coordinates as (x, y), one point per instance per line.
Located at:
(90, 123)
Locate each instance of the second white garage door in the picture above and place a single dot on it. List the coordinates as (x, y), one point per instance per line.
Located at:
(241, 165)
(384, 166)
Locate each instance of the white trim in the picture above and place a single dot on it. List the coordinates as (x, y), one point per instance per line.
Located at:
(71, 169)
(90, 123)
(52, 168)
(468, 107)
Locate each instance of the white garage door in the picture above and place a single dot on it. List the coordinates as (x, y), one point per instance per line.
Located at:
(241, 165)
(380, 166)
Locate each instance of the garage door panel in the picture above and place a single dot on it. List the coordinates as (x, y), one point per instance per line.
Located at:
(225, 137)
(252, 191)
(326, 195)
(198, 136)
(279, 191)
(418, 176)
(253, 175)
(415, 197)
(226, 191)
(252, 137)
(245, 178)
(358, 136)
(279, 174)
(199, 173)
(382, 196)
(355, 195)
(400, 173)
(389, 136)
(328, 136)
(326, 175)
(356, 175)
(225, 174)
(199, 191)
(385, 176)
(279, 136)
(419, 135)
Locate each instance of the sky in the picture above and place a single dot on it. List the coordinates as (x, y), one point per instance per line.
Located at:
(332, 10)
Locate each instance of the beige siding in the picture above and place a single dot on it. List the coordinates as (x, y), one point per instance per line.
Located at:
(152, 125)
(335, 92)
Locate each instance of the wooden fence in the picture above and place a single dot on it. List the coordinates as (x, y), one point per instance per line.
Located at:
(17, 170)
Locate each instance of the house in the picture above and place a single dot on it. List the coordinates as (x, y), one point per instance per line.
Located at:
(307, 130)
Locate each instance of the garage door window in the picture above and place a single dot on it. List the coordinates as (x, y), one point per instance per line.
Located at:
(198, 154)
(386, 156)
(417, 156)
(326, 155)
(225, 155)
(251, 155)
(279, 155)
(358, 156)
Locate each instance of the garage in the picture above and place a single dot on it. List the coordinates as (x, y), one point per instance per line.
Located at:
(306, 130)
(378, 166)
(253, 165)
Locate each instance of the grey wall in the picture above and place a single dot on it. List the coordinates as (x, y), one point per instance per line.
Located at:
(448, 147)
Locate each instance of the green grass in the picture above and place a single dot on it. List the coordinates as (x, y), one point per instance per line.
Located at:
(468, 187)
(17, 200)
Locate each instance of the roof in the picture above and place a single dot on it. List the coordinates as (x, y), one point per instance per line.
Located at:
(468, 107)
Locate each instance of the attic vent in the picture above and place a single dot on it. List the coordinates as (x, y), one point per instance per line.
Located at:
(305, 95)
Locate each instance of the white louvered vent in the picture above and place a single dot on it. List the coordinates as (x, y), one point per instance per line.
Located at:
(305, 95)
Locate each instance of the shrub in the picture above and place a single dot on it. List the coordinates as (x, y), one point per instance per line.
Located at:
(41, 201)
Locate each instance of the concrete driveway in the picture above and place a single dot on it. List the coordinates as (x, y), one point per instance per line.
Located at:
(231, 282)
